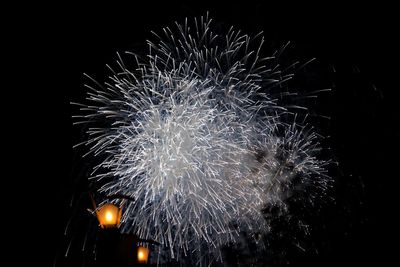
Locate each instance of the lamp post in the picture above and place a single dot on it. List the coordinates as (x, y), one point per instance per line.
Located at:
(114, 248)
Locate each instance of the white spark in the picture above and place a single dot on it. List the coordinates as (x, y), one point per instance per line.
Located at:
(193, 135)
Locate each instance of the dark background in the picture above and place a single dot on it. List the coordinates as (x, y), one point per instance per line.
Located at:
(358, 41)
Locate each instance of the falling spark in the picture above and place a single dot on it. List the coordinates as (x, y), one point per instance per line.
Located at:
(69, 246)
(84, 242)
(195, 135)
(67, 226)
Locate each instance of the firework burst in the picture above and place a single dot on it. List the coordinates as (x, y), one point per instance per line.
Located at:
(193, 135)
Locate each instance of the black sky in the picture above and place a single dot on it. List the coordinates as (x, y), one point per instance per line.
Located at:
(358, 41)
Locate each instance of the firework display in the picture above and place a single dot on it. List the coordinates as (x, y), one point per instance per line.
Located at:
(193, 134)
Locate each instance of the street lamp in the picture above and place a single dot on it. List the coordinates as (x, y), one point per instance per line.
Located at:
(116, 247)
(142, 254)
(109, 215)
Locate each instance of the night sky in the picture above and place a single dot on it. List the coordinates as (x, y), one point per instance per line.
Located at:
(355, 55)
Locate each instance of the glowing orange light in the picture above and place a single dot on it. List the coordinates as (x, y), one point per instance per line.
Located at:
(109, 216)
(142, 255)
